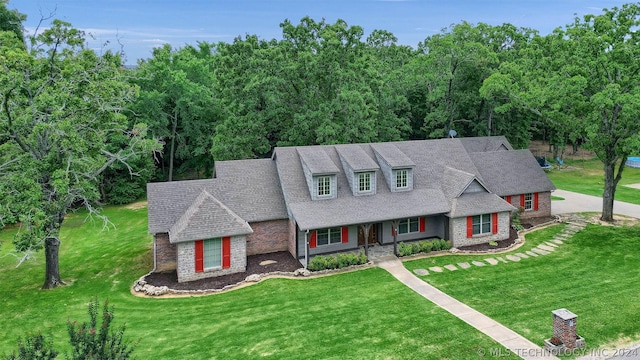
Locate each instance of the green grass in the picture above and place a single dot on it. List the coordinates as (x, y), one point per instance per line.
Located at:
(594, 274)
(587, 177)
(553, 197)
(364, 314)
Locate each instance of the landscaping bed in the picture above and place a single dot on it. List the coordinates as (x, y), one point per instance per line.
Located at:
(284, 262)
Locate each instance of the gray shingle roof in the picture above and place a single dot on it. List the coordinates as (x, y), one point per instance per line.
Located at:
(365, 209)
(392, 155)
(485, 143)
(511, 172)
(250, 188)
(276, 188)
(478, 203)
(356, 157)
(207, 217)
(317, 160)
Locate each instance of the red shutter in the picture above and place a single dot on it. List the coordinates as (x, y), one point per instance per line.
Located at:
(422, 225)
(469, 226)
(494, 223)
(508, 198)
(392, 230)
(535, 201)
(226, 252)
(345, 234)
(199, 255)
(522, 201)
(312, 241)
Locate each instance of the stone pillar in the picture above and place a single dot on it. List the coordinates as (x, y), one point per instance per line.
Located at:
(564, 327)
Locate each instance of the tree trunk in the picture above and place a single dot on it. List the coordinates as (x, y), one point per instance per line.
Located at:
(52, 274)
(173, 145)
(611, 180)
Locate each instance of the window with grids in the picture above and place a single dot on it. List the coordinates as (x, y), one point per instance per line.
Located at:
(364, 182)
(401, 179)
(212, 253)
(410, 225)
(329, 236)
(528, 201)
(324, 185)
(482, 224)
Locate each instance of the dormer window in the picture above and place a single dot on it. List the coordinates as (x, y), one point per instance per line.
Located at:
(364, 182)
(324, 186)
(401, 178)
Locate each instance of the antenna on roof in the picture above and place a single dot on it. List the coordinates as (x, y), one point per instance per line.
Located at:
(452, 133)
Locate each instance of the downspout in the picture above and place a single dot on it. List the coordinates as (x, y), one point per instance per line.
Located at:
(306, 249)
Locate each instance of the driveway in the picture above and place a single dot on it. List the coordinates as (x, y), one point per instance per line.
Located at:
(574, 202)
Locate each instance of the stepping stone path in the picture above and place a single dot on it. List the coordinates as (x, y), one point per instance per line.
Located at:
(574, 223)
(491, 261)
(540, 251)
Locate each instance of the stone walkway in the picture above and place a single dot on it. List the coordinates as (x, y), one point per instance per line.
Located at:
(574, 222)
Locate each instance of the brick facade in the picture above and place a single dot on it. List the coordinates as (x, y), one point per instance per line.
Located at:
(292, 238)
(564, 327)
(165, 253)
(268, 236)
(186, 267)
(458, 231)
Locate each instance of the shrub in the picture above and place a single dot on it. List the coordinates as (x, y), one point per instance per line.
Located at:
(404, 249)
(426, 246)
(97, 341)
(34, 347)
(342, 260)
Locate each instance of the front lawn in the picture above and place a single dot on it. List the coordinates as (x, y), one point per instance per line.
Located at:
(587, 177)
(595, 274)
(364, 314)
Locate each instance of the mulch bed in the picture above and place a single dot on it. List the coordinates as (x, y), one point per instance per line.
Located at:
(284, 262)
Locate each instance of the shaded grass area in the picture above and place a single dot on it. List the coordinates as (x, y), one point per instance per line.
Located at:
(594, 274)
(587, 177)
(364, 314)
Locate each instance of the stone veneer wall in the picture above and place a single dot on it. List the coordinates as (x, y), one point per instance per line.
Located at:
(186, 267)
(458, 231)
(268, 236)
(165, 253)
(544, 206)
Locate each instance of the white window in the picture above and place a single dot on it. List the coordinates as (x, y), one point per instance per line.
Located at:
(324, 185)
(329, 236)
(410, 225)
(212, 249)
(364, 182)
(401, 179)
(482, 224)
(528, 201)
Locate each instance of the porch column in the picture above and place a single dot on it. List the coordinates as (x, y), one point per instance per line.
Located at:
(366, 228)
(394, 226)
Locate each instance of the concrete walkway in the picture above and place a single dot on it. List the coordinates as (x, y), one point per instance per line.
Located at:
(575, 202)
(498, 332)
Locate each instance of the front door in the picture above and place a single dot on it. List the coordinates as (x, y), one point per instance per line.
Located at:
(373, 235)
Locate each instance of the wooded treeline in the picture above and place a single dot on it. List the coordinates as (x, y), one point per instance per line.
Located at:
(79, 129)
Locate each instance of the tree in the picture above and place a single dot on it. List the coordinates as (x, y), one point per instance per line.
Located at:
(585, 76)
(96, 340)
(11, 20)
(178, 102)
(61, 126)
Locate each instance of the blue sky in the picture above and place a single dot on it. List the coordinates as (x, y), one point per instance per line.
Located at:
(141, 25)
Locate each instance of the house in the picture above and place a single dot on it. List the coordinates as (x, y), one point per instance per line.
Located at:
(311, 200)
